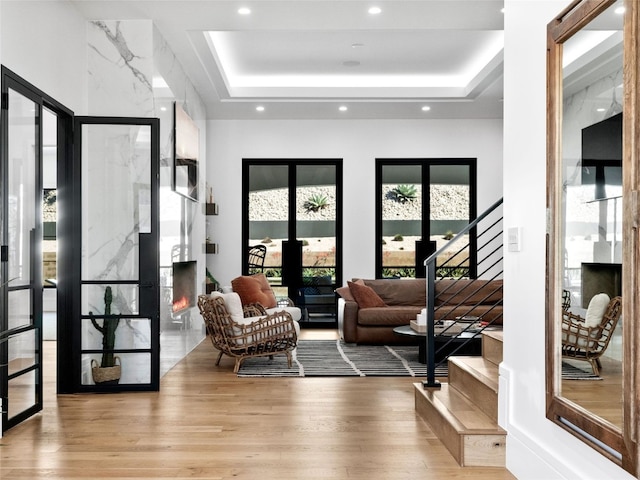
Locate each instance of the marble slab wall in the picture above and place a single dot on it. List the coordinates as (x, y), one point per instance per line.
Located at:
(132, 72)
(120, 64)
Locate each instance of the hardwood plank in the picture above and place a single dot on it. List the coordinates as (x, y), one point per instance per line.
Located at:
(207, 423)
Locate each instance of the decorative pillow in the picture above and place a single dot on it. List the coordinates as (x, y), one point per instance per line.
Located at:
(595, 311)
(233, 304)
(365, 296)
(254, 289)
(345, 293)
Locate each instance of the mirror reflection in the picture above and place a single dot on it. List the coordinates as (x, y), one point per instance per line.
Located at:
(591, 212)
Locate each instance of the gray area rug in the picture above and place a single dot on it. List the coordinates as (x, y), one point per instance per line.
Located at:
(334, 358)
(574, 372)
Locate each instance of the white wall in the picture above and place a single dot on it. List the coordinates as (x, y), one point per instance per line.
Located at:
(358, 143)
(52, 58)
(536, 448)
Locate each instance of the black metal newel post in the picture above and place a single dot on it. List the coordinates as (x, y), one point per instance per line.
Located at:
(431, 354)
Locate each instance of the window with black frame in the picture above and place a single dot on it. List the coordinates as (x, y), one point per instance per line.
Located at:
(421, 205)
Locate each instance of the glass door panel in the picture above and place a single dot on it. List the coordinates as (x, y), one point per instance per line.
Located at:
(21, 279)
(268, 209)
(119, 264)
(449, 213)
(402, 206)
(316, 227)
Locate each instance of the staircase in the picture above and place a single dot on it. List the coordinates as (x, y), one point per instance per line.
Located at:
(464, 412)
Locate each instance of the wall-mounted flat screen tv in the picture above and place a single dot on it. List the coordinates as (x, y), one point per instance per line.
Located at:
(186, 151)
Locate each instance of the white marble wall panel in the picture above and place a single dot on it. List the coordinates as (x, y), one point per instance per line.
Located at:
(117, 172)
(120, 68)
(123, 59)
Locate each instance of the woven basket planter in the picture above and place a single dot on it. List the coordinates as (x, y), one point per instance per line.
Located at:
(106, 375)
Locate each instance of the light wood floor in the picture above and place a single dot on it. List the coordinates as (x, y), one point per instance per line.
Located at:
(205, 423)
(602, 397)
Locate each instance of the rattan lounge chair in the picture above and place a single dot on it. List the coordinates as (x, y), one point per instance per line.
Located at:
(580, 342)
(247, 334)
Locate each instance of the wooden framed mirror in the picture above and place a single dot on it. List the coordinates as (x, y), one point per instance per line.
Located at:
(592, 234)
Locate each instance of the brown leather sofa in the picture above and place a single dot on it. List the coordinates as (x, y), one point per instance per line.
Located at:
(405, 298)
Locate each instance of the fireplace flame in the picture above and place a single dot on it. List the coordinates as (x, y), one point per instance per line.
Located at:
(180, 304)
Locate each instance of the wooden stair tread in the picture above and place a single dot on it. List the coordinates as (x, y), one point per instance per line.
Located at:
(480, 368)
(461, 413)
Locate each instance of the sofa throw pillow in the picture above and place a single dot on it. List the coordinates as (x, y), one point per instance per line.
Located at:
(345, 292)
(254, 289)
(595, 311)
(365, 296)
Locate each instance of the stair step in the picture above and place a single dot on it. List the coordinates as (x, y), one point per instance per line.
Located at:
(492, 341)
(477, 379)
(469, 434)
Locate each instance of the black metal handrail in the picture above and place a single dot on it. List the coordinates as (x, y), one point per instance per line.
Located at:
(483, 263)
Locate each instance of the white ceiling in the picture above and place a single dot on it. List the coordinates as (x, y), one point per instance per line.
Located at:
(306, 58)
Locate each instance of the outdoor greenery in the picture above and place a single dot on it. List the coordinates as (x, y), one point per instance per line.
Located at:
(316, 202)
(319, 272)
(405, 193)
(399, 272)
(398, 238)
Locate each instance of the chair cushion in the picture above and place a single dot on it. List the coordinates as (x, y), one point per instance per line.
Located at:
(595, 311)
(254, 289)
(365, 296)
(232, 303)
(295, 312)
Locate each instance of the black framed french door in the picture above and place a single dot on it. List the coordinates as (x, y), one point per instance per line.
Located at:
(294, 208)
(115, 267)
(420, 205)
(24, 138)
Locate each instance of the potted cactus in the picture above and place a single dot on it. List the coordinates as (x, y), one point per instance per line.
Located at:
(108, 372)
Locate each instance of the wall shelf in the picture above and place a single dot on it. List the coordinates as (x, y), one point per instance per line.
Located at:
(211, 208)
(211, 248)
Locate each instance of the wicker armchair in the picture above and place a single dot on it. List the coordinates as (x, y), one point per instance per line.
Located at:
(580, 342)
(257, 254)
(241, 337)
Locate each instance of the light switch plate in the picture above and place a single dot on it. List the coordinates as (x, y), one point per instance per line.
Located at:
(514, 237)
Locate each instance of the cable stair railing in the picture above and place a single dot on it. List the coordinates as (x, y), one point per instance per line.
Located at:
(466, 266)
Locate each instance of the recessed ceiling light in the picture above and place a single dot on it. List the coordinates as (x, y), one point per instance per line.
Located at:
(351, 63)
(163, 109)
(343, 108)
(357, 45)
(601, 109)
(244, 11)
(375, 10)
(260, 108)
(619, 10)
(426, 108)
